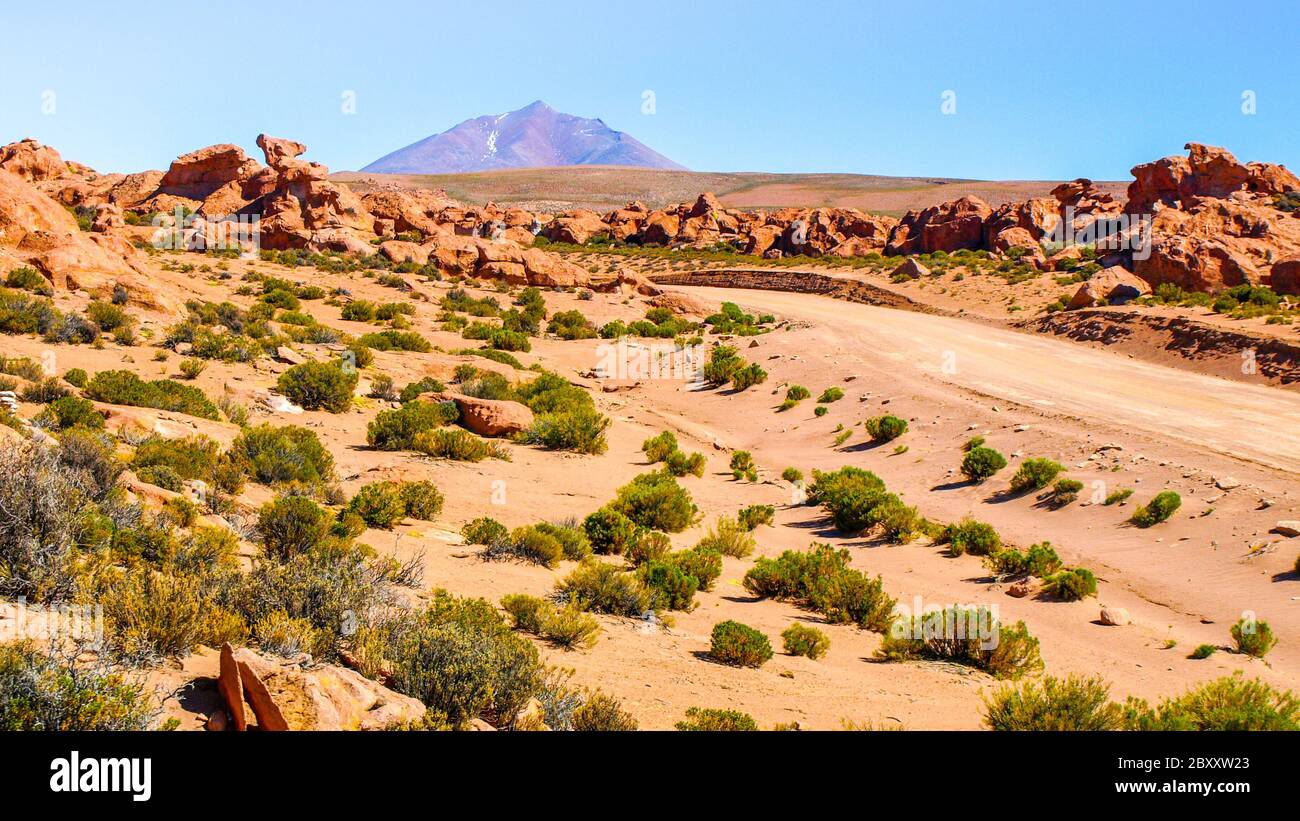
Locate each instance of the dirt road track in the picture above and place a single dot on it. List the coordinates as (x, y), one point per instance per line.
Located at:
(1259, 424)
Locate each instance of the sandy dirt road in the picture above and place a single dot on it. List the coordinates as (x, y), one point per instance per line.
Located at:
(1259, 424)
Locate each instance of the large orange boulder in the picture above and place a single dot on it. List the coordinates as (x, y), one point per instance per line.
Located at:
(488, 417)
(1110, 286)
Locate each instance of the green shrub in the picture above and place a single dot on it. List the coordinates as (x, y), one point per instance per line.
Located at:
(1071, 585)
(700, 563)
(655, 501)
(1117, 496)
(1159, 509)
(107, 316)
(659, 447)
(796, 393)
(394, 340)
(1254, 638)
(885, 428)
(76, 377)
(602, 713)
(573, 540)
(1054, 704)
(191, 368)
(459, 657)
(647, 546)
(421, 499)
(1204, 651)
(980, 463)
(738, 644)
(44, 691)
(379, 504)
(359, 310)
(570, 325)
(1066, 491)
(673, 588)
(743, 467)
(604, 588)
(397, 429)
(713, 721)
(681, 464)
(570, 627)
(457, 445)
(527, 613)
(970, 536)
(29, 279)
(729, 538)
(1226, 704)
(483, 531)
(580, 430)
(820, 410)
(426, 385)
(1040, 561)
(822, 580)
(830, 395)
(319, 386)
(291, 525)
(529, 544)
(280, 455)
(969, 636)
(610, 531)
(748, 376)
(792, 474)
(70, 412)
(723, 363)
(1034, 474)
(754, 515)
(801, 640)
(125, 388)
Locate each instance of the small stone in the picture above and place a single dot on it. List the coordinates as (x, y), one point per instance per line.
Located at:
(1114, 616)
(217, 722)
(1289, 528)
(1226, 483)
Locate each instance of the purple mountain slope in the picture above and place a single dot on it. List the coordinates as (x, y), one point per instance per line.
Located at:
(532, 137)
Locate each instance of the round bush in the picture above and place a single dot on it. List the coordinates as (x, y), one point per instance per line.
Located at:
(980, 463)
(291, 525)
(379, 504)
(802, 640)
(970, 536)
(319, 386)
(422, 500)
(739, 644)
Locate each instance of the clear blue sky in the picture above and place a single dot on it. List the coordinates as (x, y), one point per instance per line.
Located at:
(1044, 90)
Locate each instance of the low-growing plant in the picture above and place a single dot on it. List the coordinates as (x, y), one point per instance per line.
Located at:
(319, 386)
(980, 463)
(970, 536)
(1159, 509)
(885, 428)
(802, 640)
(743, 467)
(1253, 637)
(1035, 474)
(739, 644)
(754, 515)
(712, 721)
(1071, 585)
(1054, 704)
(729, 537)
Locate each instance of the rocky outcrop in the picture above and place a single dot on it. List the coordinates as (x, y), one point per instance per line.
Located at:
(41, 233)
(1207, 171)
(285, 695)
(32, 161)
(948, 227)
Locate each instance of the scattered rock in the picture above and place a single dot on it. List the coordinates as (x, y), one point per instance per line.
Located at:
(1289, 528)
(1114, 616)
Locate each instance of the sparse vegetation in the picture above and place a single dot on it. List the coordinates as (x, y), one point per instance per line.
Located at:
(1159, 509)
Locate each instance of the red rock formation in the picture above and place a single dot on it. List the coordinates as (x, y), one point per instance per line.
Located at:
(947, 227)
